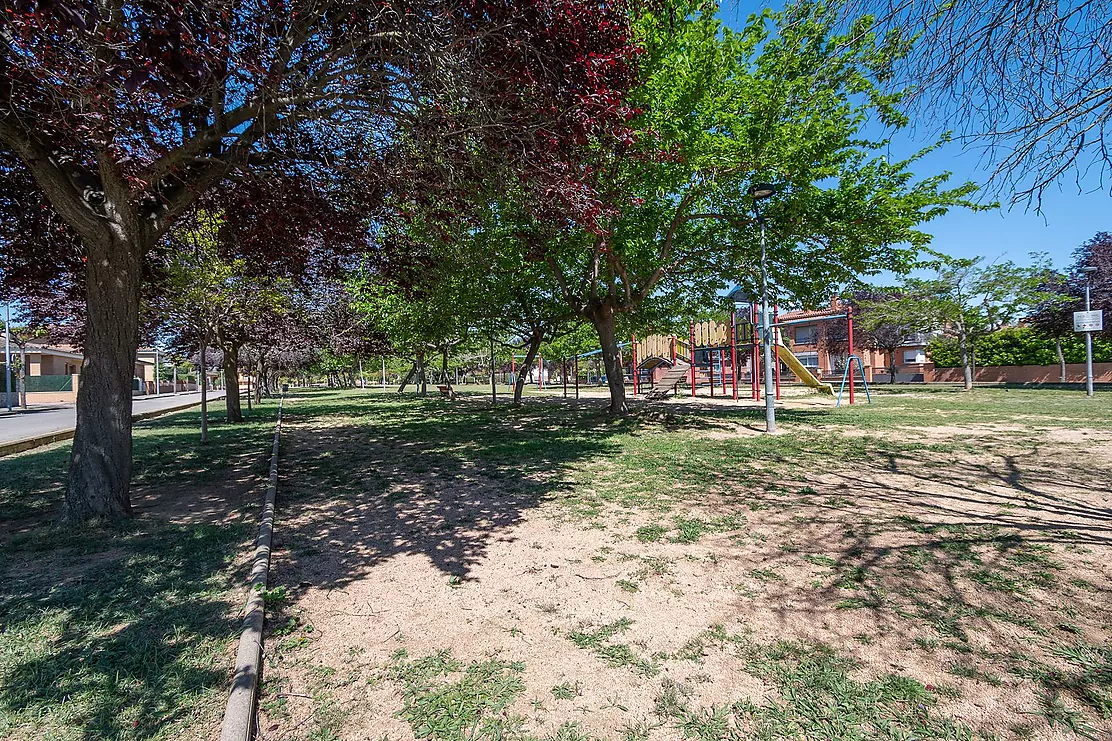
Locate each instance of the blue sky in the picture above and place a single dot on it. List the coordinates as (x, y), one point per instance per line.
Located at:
(1067, 219)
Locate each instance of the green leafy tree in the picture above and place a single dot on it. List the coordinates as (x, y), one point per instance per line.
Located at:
(206, 299)
(966, 300)
(784, 101)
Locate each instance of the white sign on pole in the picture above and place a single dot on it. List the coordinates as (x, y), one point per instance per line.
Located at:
(1088, 321)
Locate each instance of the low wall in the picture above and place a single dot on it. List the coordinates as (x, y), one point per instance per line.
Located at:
(1075, 373)
(50, 397)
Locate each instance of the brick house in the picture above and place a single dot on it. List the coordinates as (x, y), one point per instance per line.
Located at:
(803, 332)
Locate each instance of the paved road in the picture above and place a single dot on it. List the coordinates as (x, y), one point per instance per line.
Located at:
(43, 421)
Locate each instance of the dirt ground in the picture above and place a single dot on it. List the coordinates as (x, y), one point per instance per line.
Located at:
(978, 572)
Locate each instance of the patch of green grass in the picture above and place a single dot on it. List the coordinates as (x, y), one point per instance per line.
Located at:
(651, 533)
(447, 700)
(126, 632)
(567, 690)
(817, 696)
(691, 529)
(627, 586)
(820, 560)
(598, 641)
(766, 576)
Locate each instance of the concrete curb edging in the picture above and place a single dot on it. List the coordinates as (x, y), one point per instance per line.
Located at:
(239, 716)
(29, 443)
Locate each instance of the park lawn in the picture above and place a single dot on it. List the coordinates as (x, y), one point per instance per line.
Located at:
(445, 570)
(129, 633)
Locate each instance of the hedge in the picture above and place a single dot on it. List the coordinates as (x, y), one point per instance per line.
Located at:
(1019, 346)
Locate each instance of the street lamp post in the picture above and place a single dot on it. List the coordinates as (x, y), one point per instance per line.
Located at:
(1088, 271)
(759, 192)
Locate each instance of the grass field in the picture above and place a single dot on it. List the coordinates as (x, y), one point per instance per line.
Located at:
(933, 565)
(129, 633)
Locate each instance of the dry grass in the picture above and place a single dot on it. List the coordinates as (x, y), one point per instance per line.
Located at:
(450, 571)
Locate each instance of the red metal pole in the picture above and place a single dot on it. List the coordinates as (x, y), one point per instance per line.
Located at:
(849, 321)
(733, 348)
(722, 366)
(691, 354)
(710, 362)
(776, 345)
(756, 374)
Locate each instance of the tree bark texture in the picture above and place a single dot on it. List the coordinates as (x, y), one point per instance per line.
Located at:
(530, 355)
(1061, 359)
(202, 381)
(99, 478)
(231, 385)
(966, 361)
(603, 320)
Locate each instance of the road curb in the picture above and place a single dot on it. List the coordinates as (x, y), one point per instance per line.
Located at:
(239, 716)
(28, 443)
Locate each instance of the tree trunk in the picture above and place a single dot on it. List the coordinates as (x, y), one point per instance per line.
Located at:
(603, 320)
(444, 371)
(891, 366)
(1061, 360)
(530, 355)
(967, 368)
(202, 380)
(99, 478)
(408, 377)
(422, 381)
(231, 384)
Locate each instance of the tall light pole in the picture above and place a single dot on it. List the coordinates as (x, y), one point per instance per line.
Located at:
(758, 192)
(1088, 271)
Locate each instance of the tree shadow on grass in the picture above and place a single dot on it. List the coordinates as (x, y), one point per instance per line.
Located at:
(995, 561)
(127, 632)
(435, 478)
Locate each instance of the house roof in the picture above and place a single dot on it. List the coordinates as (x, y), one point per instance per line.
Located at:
(62, 351)
(818, 314)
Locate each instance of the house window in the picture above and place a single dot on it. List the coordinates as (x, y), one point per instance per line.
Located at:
(914, 356)
(809, 360)
(806, 335)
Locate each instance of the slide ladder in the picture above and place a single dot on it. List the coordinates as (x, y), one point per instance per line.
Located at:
(674, 375)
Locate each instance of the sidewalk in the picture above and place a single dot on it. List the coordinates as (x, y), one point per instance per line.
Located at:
(42, 425)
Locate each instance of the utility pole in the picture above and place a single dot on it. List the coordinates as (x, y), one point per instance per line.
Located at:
(1088, 337)
(766, 341)
(758, 192)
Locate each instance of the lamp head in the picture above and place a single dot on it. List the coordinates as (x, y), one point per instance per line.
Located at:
(759, 191)
(1088, 270)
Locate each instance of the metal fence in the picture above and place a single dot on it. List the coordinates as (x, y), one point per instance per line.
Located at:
(48, 383)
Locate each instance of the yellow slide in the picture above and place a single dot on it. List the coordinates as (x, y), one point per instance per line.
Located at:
(802, 373)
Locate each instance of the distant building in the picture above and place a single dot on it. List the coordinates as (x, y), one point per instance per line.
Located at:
(803, 331)
(53, 374)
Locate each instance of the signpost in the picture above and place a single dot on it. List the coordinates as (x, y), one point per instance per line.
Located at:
(1088, 321)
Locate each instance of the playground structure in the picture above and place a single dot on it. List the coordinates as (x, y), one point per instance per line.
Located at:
(719, 358)
(722, 357)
